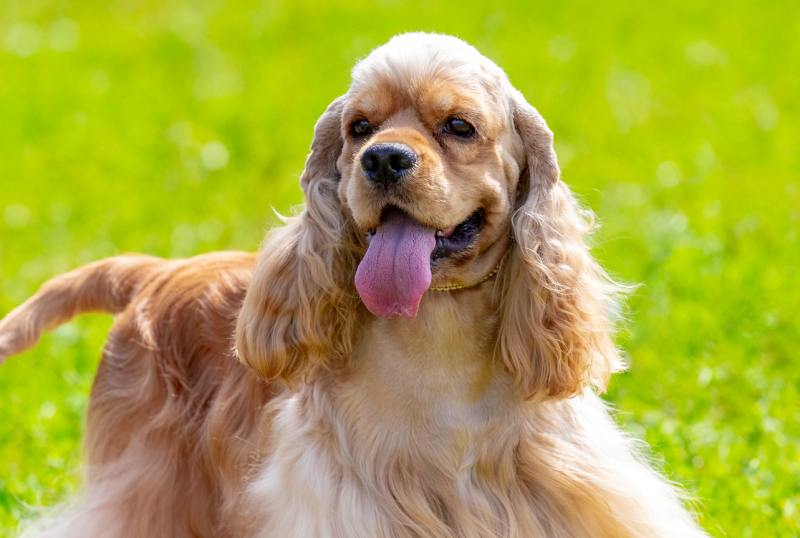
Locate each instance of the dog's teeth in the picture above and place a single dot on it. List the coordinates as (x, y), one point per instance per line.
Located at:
(439, 233)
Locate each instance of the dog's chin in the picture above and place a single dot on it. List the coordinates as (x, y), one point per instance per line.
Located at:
(402, 255)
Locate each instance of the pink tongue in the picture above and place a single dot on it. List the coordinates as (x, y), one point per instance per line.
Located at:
(396, 270)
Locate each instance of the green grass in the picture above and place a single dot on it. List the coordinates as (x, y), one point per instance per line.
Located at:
(679, 126)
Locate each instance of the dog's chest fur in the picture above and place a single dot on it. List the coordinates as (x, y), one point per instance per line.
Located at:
(421, 435)
(417, 431)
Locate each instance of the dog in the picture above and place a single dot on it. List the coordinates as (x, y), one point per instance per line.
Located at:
(415, 354)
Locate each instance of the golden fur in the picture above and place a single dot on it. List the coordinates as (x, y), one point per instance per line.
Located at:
(477, 418)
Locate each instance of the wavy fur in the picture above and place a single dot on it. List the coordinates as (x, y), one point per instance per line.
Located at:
(476, 419)
(298, 311)
(555, 331)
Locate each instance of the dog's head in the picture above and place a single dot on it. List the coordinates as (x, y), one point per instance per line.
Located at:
(429, 168)
(428, 174)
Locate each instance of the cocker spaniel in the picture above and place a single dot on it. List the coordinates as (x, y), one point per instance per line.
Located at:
(416, 354)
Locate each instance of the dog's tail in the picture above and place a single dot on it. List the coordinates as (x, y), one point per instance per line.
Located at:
(106, 286)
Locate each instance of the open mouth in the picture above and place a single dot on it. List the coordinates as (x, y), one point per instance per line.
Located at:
(396, 269)
(459, 238)
(452, 241)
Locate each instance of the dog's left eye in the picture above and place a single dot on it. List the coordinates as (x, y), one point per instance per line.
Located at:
(360, 128)
(459, 127)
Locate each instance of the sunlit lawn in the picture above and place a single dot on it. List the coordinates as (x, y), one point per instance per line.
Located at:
(175, 128)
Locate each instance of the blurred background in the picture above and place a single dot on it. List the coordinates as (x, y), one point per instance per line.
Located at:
(175, 127)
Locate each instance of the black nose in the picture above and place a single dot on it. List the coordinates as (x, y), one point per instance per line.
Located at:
(386, 163)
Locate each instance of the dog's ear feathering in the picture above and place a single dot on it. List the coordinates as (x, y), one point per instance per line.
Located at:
(298, 311)
(554, 332)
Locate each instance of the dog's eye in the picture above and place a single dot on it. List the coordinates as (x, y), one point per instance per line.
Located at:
(360, 128)
(459, 127)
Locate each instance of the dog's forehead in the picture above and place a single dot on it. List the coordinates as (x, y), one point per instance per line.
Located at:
(411, 64)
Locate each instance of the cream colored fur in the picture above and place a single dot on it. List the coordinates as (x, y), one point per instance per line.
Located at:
(476, 419)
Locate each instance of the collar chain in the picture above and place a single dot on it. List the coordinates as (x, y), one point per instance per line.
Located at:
(451, 287)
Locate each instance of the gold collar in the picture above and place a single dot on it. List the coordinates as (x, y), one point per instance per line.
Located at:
(451, 287)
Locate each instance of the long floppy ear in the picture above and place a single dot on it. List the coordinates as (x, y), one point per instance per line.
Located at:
(554, 330)
(297, 313)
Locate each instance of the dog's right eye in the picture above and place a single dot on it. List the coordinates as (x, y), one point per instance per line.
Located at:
(459, 127)
(360, 128)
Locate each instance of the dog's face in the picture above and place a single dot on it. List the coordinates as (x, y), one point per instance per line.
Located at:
(426, 174)
(429, 169)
